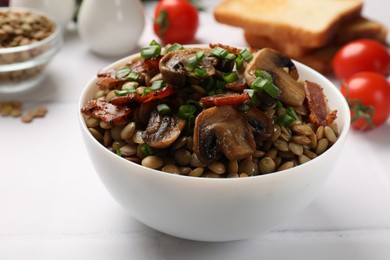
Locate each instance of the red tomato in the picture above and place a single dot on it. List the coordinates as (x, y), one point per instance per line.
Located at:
(368, 95)
(361, 55)
(175, 21)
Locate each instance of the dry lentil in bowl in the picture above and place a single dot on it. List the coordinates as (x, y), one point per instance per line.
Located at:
(210, 112)
(28, 39)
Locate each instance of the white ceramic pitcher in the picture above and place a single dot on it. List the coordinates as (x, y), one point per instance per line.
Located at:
(111, 27)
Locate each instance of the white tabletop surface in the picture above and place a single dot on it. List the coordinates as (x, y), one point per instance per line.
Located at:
(53, 206)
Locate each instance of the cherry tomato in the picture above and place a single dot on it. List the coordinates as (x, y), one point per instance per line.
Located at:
(368, 95)
(175, 21)
(361, 55)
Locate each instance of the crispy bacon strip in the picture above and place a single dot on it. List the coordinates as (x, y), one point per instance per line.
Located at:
(224, 99)
(107, 112)
(318, 105)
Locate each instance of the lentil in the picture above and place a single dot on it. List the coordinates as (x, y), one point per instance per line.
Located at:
(152, 161)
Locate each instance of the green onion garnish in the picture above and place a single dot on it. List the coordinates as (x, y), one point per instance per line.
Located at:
(219, 52)
(146, 149)
(200, 72)
(146, 91)
(239, 61)
(271, 89)
(263, 82)
(151, 51)
(230, 77)
(258, 84)
(157, 84)
(246, 54)
(186, 111)
(230, 56)
(192, 63)
(200, 55)
(121, 93)
(263, 74)
(284, 120)
(175, 47)
(121, 73)
(163, 109)
(291, 112)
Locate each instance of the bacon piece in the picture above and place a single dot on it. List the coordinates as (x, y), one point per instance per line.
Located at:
(224, 99)
(318, 105)
(107, 112)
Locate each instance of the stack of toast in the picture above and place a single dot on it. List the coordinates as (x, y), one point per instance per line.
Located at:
(309, 31)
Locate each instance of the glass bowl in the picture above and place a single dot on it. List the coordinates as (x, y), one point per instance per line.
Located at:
(22, 67)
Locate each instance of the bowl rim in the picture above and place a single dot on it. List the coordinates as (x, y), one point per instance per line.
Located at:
(56, 35)
(343, 131)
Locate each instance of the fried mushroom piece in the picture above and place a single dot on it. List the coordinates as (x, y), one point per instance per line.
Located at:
(275, 64)
(174, 66)
(260, 123)
(162, 131)
(222, 130)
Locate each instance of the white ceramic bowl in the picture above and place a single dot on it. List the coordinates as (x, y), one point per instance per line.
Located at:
(22, 67)
(208, 209)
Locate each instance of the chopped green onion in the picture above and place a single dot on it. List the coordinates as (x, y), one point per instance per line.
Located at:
(219, 52)
(239, 61)
(264, 82)
(151, 51)
(230, 56)
(284, 120)
(291, 112)
(200, 55)
(271, 90)
(163, 109)
(122, 73)
(194, 103)
(133, 76)
(146, 91)
(192, 63)
(121, 93)
(258, 84)
(200, 72)
(158, 84)
(118, 152)
(230, 77)
(246, 54)
(146, 149)
(278, 105)
(175, 47)
(263, 74)
(186, 111)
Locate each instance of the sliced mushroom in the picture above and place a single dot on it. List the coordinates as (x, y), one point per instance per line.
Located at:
(222, 130)
(261, 124)
(162, 131)
(174, 66)
(275, 63)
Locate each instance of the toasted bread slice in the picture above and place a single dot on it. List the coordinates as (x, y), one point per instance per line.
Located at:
(308, 23)
(355, 29)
